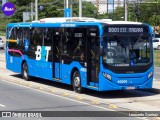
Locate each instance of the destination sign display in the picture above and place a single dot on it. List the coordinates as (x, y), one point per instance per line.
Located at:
(126, 30)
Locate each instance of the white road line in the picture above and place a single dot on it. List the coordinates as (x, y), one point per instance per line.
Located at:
(60, 96)
(1, 105)
(103, 108)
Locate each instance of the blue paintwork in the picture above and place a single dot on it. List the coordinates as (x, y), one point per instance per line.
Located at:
(137, 80)
(43, 69)
(13, 63)
(43, 25)
(58, 70)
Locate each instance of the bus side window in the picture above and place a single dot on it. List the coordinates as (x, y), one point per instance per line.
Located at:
(66, 39)
(78, 42)
(47, 37)
(36, 38)
(47, 41)
(13, 36)
(17, 35)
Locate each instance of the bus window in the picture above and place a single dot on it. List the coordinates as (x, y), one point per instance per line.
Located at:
(12, 39)
(73, 43)
(57, 49)
(47, 37)
(66, 38)
(17, 38)
(37, 36)
(26, 38)
(78, 44)
(47, 41)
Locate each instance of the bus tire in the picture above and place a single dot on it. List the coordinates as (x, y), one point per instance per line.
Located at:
(76, 82)
(25, 74)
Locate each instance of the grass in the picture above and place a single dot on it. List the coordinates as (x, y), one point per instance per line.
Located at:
(3, 23)
(2, 33)
(157, 58)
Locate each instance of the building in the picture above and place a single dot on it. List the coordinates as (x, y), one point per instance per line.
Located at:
(107, 6)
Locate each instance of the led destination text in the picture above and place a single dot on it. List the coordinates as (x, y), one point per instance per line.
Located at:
(125, 30)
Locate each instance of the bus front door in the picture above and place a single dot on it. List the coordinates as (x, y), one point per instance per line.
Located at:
(92, 61)
(56, 57)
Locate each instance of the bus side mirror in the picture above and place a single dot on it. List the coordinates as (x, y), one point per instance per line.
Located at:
(101, 50)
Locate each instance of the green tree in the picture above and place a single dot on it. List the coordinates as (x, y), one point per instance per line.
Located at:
(88, 9)
(118, 14)
(103, 16)
(148, 11)
(51, 8)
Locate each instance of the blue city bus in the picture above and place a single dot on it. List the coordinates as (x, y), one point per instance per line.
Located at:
(83, 52)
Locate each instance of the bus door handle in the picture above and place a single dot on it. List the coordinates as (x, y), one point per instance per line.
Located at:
(50, 66)
(62, 61)
(85, 64)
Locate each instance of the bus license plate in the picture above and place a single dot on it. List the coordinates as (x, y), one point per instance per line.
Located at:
(130, 88)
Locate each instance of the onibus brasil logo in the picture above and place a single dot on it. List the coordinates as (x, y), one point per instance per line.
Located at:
(8, 9)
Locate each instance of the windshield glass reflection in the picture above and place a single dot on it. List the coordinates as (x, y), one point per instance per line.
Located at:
(127, 50)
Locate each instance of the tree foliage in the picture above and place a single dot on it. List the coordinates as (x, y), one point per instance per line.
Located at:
(147, 12)
(118, 14)
(51, 8)
(143, 12)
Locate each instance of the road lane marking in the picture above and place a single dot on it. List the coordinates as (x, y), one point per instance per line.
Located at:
(52, 90)
(78, 98)
(60, 96)
(1, 105)
(95, 102)
(82, 102)
(112, 106)
(65, 94)
(64, 97)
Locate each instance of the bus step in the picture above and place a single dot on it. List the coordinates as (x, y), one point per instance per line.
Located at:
(56, 79)
(93, 84)
(93, 87)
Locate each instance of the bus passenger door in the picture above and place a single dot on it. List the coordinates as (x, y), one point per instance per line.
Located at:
(56, 56)
(92, 55)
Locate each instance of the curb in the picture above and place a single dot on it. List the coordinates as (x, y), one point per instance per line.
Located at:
(74, 97)
(153, 90)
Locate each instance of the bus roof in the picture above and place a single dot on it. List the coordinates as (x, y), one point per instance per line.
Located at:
(71, 21)
(122, 22)
(84, 19)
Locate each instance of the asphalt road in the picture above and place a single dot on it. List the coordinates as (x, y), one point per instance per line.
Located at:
(20, 98)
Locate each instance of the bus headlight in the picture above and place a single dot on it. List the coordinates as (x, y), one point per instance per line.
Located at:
(107, 76)
(150, 75)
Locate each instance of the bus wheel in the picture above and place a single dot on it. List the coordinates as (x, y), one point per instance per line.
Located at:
(25, 71)
(76, 82)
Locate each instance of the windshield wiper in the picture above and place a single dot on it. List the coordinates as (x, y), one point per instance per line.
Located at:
(138, 39)
(115, 36)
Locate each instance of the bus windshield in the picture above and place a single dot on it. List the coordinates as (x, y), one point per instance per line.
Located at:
(127, 50)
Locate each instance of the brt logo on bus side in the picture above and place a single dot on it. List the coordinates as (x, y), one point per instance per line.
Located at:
(42, 53)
